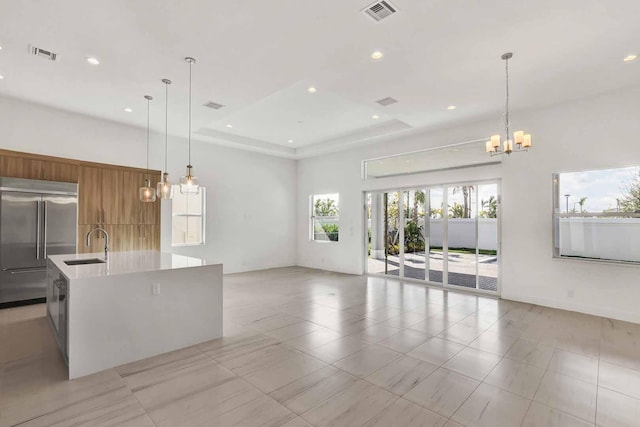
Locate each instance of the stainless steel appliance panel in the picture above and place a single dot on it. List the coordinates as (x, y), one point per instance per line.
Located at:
(59, 225)
(20, 230)
(23, 284)
(37, 218)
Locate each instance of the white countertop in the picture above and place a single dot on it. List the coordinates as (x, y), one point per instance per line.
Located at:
(124, 263)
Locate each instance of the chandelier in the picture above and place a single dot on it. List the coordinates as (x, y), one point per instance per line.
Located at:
(520, 140)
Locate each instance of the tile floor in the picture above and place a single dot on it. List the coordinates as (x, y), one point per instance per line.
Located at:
(310, 348)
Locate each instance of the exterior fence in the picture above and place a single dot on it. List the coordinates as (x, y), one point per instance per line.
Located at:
(603, 238)
(462, 232)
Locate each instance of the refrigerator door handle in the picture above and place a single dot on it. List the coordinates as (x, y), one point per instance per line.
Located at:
(44, 243)
(38, 226)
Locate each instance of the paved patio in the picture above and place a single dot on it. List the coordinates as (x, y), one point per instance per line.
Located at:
(462, 269)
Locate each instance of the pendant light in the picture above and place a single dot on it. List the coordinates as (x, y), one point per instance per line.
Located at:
(520, 141)
(164, 187)
(147, 193)
(189, 183)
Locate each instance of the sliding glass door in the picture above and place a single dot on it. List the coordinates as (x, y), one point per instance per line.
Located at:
(446, 235)
(462, 236)
(414, 203)
(434, 235)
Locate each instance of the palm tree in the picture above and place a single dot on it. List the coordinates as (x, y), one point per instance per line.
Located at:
(456, 211)
(466, 196)
(581, 204)
(490, 207)
(418, 199)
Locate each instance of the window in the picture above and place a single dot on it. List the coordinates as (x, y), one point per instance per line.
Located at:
(597, 215)
(187, 218)
(325, 217)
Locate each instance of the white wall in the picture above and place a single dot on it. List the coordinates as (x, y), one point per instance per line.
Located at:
(250, 196)
(599, 132)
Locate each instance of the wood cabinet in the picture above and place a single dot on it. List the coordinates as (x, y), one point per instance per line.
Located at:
(28, 168)
(107, 197)
(111, 196)
(61, 172)
(132, 211)
(17, 167)
(90, 195)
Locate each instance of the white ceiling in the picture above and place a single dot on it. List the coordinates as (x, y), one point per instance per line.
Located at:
(259, 57)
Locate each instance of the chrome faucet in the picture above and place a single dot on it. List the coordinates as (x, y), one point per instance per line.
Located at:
(106, 240)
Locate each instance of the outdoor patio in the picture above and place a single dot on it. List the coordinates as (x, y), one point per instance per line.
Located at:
(462, 269)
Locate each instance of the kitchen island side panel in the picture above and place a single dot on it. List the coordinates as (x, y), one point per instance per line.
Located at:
(117, 320)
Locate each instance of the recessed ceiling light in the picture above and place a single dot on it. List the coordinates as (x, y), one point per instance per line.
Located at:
(312, 90)
(630, 58)
(451, 107)
(93, 61)
(290, 141)
(1, 77)
(128, 110)
(377, 55)
(0, 47)
(229, 125)
(375, 116)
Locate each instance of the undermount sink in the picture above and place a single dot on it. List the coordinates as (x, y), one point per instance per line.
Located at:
(84, 261)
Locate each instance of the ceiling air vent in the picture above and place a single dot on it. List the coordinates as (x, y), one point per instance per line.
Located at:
(387, 101)
(42, 53)
(213, 105)
(380, 10)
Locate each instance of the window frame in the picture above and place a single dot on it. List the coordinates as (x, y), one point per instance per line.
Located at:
(202, 215)
(557, 214)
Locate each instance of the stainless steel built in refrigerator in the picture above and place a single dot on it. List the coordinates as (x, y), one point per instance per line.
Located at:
(37, 219)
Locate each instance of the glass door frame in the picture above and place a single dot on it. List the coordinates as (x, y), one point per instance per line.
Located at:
(445, 235)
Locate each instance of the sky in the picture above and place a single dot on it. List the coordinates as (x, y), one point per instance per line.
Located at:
(600, 187)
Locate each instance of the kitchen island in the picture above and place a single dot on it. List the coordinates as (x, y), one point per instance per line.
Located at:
(130, 307)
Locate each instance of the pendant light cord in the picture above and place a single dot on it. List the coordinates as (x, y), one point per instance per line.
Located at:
(190, 64)
(507, 122)
(148, 107)
(166, 124)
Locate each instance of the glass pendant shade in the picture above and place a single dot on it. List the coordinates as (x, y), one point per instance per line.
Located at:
(164, 187)
(189, 183)
(147, 193)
